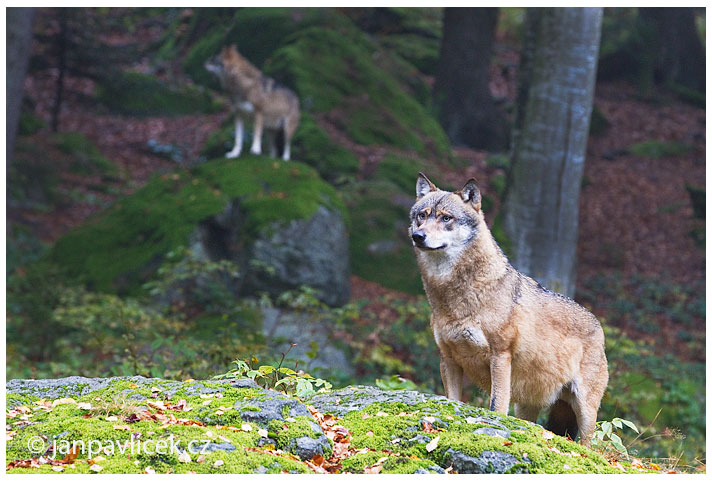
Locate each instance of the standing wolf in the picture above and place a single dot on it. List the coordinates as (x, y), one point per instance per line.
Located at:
(273, 108)
(500, 328)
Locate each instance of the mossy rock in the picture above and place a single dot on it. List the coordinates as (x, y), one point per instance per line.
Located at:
(133, 93)
(234, 422)
(35, 175)
(119, 249)
(311, 145)
(374, 107)
(115, 411)
(256, 31)
(86, 158)
(378, 235)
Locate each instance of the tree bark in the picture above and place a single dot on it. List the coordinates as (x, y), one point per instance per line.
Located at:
(554, 103)
(461, 91)
(678, 52)
(19, 39)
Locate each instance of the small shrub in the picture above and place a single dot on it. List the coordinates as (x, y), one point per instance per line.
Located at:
(290, 382)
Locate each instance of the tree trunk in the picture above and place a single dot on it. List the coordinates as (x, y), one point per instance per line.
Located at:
(678, 52)
(61, 68)
(19, 39)
(461, 92)
(554, 104)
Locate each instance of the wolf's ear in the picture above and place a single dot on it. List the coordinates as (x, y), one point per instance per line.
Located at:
(423, 186)
(471, 193)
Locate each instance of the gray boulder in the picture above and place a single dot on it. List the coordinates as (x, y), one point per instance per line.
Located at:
(487, 462)
(311, 252)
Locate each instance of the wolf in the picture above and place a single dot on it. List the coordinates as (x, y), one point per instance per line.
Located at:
(253, 96)
(498, 327)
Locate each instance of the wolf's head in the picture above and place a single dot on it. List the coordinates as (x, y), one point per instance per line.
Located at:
(215, 65)
(443, 224)
(228, 57)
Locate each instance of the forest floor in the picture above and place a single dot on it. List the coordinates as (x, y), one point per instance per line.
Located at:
(635, 213)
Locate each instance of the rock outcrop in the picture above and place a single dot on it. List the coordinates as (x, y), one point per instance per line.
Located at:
(234, 426)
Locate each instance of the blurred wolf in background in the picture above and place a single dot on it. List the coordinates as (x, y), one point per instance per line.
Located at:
(500, 328)
(273, 108)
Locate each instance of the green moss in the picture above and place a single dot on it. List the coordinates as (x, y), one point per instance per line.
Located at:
(376, 109)
(599, 122)
(66, 423)
(313, 146)
(497, 161)
(257, 33)
(86, 157)
(657, 148)
(378, 236)
(122, 247)
(403, 172)
(498, 183)
(397, 432)
(133, 93)
(501, 236)
(30, 123)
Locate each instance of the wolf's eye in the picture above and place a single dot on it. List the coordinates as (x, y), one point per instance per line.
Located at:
(421, 215)
(446, 218)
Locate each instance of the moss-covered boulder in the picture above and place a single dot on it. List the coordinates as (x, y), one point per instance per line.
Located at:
(373, 106)
(234, 209)
(133, 93)
(233, 426)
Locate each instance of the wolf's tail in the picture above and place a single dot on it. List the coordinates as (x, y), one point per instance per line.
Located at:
(562, 420)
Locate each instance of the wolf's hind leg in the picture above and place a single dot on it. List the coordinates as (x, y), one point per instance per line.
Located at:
(239, 134)
(528, 413)
(257, 135)
(271, 140)
(585, 405)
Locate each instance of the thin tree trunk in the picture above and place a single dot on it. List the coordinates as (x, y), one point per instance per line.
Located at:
(19, 40)
(555, 99)
(61, 67)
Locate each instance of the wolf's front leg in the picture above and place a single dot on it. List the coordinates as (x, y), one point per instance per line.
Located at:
(257, 135)
(501, 371)
(239, 134)
(285, 154)
(451, 374)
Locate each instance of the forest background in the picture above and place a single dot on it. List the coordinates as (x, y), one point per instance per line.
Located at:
(133, 247)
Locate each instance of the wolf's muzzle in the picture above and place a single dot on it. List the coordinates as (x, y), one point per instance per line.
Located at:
(418, 237)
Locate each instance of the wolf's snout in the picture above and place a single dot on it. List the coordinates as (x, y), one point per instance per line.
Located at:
(418, 237)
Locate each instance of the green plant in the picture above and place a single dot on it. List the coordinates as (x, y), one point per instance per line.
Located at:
(605, 439)
(193, 282)
(289, 381)
(658, 148)
(395, 383)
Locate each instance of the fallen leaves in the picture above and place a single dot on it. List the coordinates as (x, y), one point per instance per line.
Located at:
(433, 444)
(376, 467)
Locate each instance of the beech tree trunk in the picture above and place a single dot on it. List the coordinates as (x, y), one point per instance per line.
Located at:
(461, 93)
(554, 103)
(19, 39)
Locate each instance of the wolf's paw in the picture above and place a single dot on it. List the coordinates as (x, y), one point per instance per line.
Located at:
(232, 154)
(255, 151)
